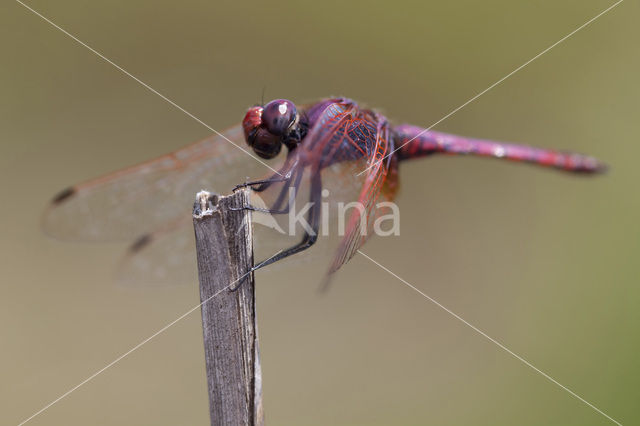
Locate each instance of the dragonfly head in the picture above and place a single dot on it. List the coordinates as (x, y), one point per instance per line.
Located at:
(267, 128)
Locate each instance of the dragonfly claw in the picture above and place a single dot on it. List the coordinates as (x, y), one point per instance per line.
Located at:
(242, 186)
(252, 208)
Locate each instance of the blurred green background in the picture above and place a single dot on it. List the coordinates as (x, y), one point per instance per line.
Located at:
(544, 262)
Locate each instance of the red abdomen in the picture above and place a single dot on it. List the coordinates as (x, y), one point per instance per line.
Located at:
(415, 142)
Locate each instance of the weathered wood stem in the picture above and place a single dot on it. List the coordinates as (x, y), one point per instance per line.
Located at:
(225, 253)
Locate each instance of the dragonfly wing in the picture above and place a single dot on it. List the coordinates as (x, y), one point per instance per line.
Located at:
(167, 256)
(361, 219)
(138, 199)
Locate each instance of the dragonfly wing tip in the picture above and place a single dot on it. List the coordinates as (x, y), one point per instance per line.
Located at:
(140, 243)
(63, 195)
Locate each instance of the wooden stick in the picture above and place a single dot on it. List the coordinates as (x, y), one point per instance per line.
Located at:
(224, 244)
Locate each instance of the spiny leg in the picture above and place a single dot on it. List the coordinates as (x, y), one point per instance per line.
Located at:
(262, 183)
(313, 219)
(281, 176)
(276, 208)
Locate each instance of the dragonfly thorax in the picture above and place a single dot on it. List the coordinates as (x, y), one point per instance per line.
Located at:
(267, 128)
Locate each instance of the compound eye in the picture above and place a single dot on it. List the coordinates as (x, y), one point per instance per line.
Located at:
(278, 116)
(252, 120)
(265, 144)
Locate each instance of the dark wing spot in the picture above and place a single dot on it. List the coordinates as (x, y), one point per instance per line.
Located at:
(63, 195)
(140, 243)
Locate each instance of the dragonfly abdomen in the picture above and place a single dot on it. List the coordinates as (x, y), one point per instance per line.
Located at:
(414, 142)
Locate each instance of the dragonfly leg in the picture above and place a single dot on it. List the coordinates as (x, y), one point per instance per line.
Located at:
(277, 207)
(262, 184)
(281, 176)
(313, 219)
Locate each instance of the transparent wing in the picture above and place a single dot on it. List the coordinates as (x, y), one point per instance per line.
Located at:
(362, 218)
(167, 256)
(137, 200)
(150, 203)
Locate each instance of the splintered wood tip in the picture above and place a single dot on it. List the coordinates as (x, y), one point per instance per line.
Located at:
(205, 204)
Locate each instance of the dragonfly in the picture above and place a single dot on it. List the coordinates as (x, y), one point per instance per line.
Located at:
(333, 143)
